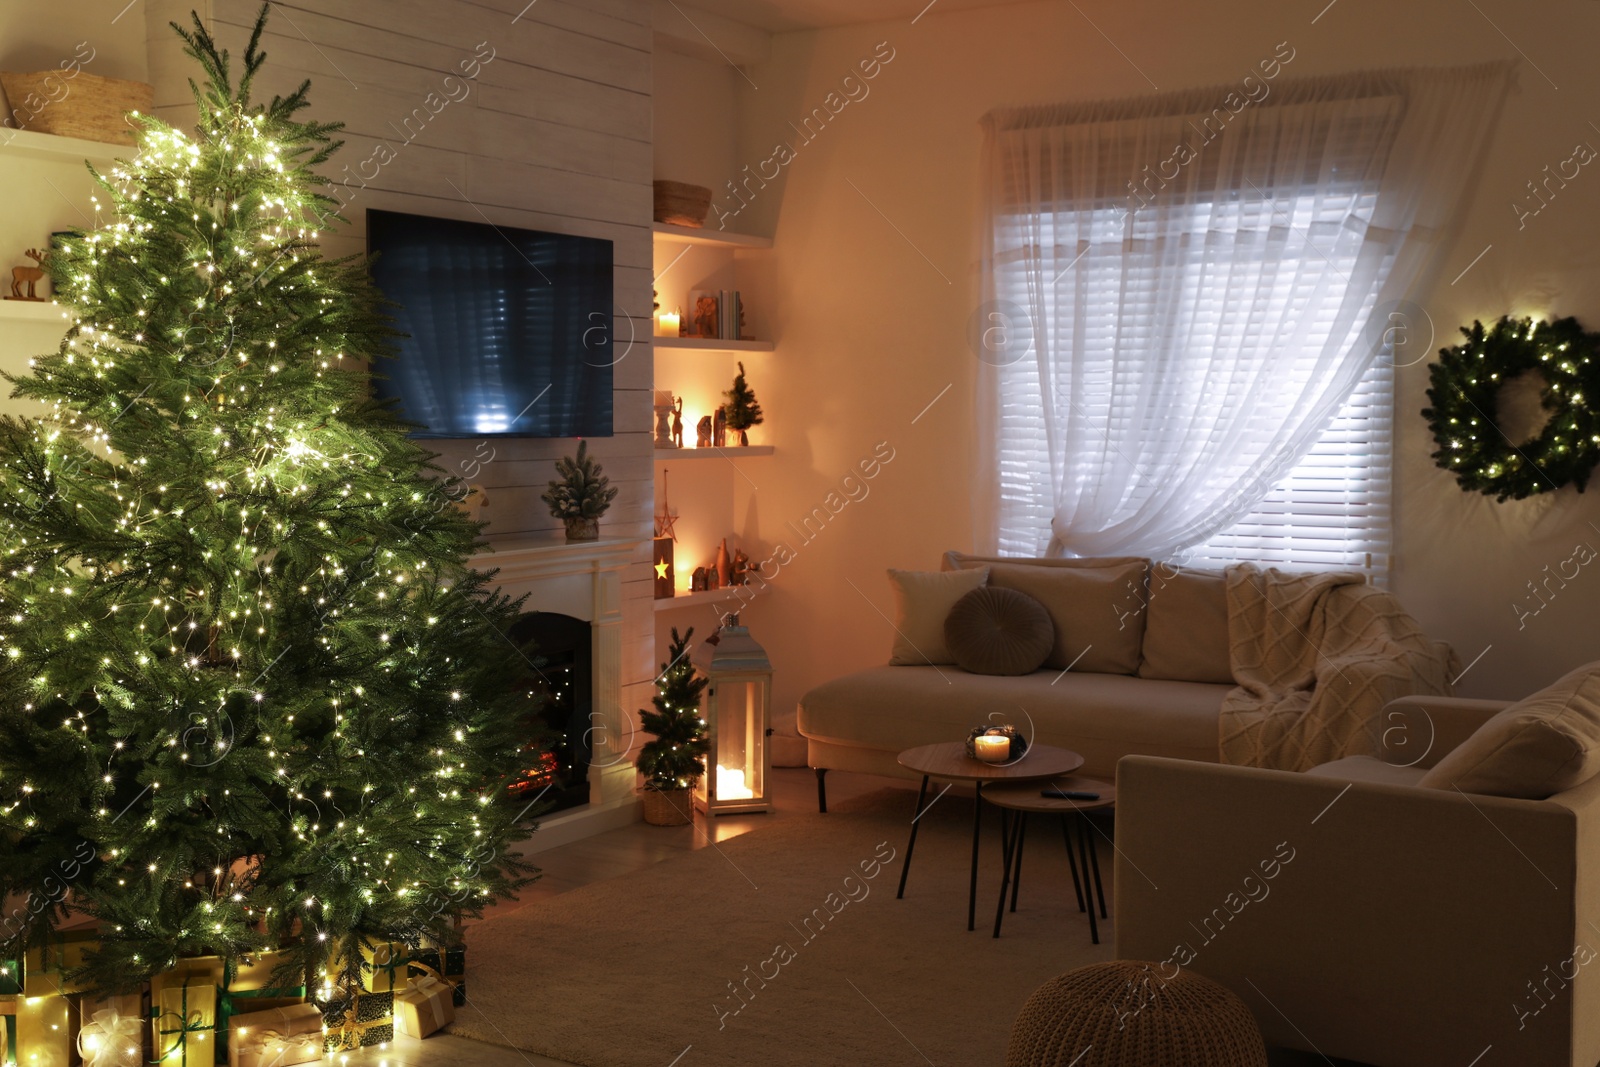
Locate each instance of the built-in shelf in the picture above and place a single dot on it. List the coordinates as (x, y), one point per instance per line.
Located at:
(690, 235)
(668, 455)
(733, 596)
(65, 149)
(714, 344)
(33, 310)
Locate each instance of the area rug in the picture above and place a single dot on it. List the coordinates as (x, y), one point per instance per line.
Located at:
(786, 945)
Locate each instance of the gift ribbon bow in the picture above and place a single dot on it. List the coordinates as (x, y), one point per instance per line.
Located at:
(279, 1050)
(430, 988)
(111, 1039)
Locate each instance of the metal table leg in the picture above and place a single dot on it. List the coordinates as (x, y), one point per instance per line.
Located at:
(1012, 855)
(905, 864)
(1066, 837)
(977, 827)
(1016, 877)
(1094, 860)
(1083, 855)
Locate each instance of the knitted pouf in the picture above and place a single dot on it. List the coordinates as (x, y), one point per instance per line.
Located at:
(1128, 1014)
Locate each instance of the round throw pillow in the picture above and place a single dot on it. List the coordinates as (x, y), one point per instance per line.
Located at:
(999, 631)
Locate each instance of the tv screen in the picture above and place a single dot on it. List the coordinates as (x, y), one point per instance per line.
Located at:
(507, 331)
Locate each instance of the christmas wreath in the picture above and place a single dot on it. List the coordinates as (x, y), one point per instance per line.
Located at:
(1465, 396)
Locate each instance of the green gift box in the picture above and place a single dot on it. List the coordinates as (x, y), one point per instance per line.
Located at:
(10, 977)
(448, 965)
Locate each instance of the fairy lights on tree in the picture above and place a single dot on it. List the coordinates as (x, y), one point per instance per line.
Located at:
(244, 667)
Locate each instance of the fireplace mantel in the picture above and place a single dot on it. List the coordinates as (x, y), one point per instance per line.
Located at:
(582, 579)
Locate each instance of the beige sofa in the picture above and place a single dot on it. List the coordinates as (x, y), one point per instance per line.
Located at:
(1364, 916)
(1147, 644)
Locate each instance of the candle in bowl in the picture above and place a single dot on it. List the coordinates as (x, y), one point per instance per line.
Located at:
(992, 748)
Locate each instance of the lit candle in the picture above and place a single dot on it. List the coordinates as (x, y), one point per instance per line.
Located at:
(730, 784)
(992, 748)
(667, 324)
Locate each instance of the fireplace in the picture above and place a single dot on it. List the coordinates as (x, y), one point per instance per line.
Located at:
(560, 681)
(575, 604)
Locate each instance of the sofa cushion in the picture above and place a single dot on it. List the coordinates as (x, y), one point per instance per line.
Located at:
(1097, 612)
(999, 631)
(1186, 626)
(1540, 746)
(923, 600)
(1101, 716)
(1369, 769)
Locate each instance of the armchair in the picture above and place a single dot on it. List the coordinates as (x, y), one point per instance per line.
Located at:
(1362, 916)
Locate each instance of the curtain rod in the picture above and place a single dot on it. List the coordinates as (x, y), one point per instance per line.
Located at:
(1292, 90)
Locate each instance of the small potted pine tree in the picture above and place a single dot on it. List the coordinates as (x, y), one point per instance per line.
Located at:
(675, 760)
(743, 409)
(581, 495)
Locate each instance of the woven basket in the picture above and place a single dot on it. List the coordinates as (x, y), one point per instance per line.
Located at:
(682, 204)
(76, 105)
(668, 807)
(1128, 1014)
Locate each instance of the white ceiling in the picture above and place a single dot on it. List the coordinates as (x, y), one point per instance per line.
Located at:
(778, 16)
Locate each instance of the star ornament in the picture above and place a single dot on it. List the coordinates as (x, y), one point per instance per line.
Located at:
(661, 569)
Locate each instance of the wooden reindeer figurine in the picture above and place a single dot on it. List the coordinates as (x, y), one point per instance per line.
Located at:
(30, 275)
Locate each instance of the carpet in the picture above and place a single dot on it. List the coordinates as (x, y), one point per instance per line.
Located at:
(786, 945)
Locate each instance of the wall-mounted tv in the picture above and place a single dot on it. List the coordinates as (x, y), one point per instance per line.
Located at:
(507, 331)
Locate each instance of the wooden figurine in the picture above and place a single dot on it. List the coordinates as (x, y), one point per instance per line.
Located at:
(702, 433)
(677, 423)
(705, 317)
(740, 572)
(697, 580)
(719, 429)
(29, 275)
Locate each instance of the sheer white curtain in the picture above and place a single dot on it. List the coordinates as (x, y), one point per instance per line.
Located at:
(1179, 295)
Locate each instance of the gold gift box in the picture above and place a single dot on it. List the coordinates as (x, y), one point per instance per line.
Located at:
(47, 1032)
(424, 1006)
(276, 1038)
(183, 1008)
(44, 967)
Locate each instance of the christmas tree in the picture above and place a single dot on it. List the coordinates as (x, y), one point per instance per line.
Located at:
(744, 411)
(676, 758)
(251, 694)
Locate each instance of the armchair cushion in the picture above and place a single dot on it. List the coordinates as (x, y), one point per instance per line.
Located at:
(1369, 769)
(1536, 748)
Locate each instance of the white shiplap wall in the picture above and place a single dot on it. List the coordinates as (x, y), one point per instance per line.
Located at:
(555, 134)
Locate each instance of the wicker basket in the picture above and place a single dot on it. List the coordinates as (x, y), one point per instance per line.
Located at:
(75, 105)
(668, 807)
(682, 204)
(1130, 1014)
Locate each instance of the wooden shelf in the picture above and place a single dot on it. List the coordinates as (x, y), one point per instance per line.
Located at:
(34, 311)
(731, 452)
(713, 344)
(64, 149)
(714, 596)
(689, 235)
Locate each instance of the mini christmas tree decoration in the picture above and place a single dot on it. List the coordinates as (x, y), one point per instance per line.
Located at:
(743, 410)
(252, 694)
(581, 495)
(675, 759)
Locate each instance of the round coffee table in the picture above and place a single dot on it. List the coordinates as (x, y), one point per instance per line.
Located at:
(949, 760)
(1027, 799)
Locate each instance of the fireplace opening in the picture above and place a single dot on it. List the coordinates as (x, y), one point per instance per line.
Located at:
(561, 685)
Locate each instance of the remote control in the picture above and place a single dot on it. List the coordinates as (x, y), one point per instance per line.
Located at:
(1067, 794)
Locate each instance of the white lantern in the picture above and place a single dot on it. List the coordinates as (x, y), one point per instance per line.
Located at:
(738, 709)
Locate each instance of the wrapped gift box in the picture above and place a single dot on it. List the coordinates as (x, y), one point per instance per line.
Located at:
(111, 1030)
(183, 1011)
(248, 987)
(424, 1006)
(276, 1038)
(10, 977)
(448, 965)
(8, 1029)
(47, 1032)
(384, 967)
(45, 967)
(358, 1020)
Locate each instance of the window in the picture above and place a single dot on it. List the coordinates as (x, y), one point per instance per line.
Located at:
(1294, 255)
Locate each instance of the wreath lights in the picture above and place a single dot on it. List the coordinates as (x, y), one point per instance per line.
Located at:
(1465, 396)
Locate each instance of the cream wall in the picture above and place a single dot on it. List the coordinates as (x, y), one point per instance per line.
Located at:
(874, 277)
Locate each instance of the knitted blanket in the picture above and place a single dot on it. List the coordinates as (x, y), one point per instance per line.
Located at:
(1316, 657)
